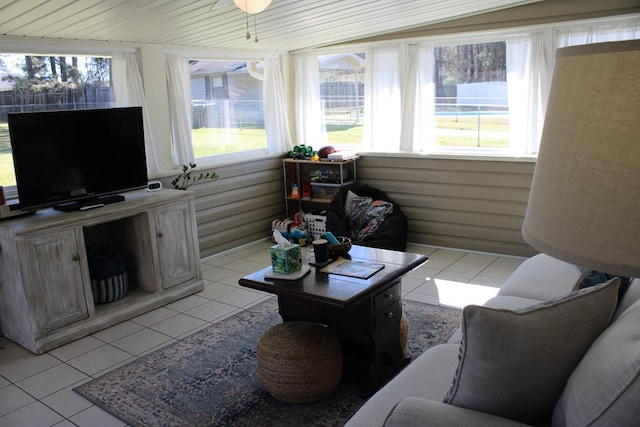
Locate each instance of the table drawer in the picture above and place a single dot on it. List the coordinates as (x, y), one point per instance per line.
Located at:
(386, 297)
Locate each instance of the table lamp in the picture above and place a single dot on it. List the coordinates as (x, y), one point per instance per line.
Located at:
(584, 204)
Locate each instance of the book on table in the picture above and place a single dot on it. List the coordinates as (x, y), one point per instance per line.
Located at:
(357, 269)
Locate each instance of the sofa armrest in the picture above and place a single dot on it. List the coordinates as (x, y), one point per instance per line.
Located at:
(418, 412)
(541, 278)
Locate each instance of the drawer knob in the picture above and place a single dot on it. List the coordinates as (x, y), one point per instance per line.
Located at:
(388, 296)
(161, 234)
(76, 257)
(389, 314)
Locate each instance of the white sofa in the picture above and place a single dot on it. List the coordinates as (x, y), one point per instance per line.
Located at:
(415, 396)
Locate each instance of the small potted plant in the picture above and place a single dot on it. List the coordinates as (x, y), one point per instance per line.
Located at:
(187, 177)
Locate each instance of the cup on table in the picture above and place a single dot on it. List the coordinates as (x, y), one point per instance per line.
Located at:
(321, 250)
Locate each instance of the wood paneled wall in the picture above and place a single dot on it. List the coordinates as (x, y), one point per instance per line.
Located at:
(459, 203)
(238, 208)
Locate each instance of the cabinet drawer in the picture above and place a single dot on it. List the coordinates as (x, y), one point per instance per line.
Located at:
(386, 297)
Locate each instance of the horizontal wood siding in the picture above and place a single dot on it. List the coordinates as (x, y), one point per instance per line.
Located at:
(238, 208)
(467, 204)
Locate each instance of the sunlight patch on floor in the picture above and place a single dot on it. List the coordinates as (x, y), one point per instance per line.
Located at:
(458, 294)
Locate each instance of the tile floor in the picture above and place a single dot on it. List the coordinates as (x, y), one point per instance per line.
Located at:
(37, 390)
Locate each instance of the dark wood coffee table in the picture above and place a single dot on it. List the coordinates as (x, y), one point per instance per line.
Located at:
(366, 313)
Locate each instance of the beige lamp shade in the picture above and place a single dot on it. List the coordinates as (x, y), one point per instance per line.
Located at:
(584, 205)
(252, 6)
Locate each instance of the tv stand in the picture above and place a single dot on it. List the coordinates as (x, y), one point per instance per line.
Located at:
(46, 296)
(90, 203)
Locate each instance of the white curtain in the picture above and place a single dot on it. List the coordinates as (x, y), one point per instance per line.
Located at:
(383, 103)
(410, 89)
(310, 126)
(527, 88)
(598, 33)
(129, 92)
(179, 88)
(275, 112)
(418, 101)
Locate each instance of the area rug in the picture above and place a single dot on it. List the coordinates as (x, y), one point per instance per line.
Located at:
(209, 378)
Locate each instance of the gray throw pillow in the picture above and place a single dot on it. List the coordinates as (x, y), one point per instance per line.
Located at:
(603, 390)
(515, 363)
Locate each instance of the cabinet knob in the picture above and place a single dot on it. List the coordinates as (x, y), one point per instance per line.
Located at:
(76, 257)
(388, 296)
(160, 234)
(389, 314)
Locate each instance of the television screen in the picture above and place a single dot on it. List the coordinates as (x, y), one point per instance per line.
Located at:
(74, 158)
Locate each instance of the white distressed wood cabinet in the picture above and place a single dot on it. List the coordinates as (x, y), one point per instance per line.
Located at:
(46, 299)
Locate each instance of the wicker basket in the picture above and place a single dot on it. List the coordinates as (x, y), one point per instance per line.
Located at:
(108, 274)
(109, 289)
(340, 249)
(317, 225)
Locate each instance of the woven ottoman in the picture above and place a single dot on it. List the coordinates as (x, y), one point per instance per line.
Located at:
(299, 362)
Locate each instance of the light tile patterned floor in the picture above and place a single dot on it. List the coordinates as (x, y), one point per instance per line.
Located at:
(37, 390)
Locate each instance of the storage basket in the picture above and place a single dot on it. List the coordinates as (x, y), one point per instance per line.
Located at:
(109, 289)
(108, 274)
(317, 225)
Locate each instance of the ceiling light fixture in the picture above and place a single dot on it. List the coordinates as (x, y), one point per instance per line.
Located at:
(252, 7)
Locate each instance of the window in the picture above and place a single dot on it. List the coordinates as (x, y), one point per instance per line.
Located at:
(471, 105)
(481, 93)
(342, 96)
(227, 113)
(42, 83)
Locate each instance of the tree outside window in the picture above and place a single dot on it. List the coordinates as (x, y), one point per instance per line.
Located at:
(471, 96)
(43, 83)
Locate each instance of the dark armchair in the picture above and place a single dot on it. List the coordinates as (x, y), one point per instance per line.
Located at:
(367, 216)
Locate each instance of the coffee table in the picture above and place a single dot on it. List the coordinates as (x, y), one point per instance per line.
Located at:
(365, 312)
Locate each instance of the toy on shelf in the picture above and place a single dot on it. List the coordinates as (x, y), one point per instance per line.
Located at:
(303, 152)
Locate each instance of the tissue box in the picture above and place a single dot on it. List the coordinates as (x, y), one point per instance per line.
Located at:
(286, 260)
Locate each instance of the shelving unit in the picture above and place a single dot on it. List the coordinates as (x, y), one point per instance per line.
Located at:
(46, 297)
(317, 182)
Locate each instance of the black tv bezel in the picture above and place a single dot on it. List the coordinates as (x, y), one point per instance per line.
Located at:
(91, 198)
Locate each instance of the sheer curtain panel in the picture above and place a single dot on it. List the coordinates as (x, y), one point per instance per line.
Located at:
(275, 113)
(179, 88)
(383, 103)
(129, 92)
(527, 90)
(310, 126)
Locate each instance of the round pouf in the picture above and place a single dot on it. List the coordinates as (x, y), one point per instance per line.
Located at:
(299, 362)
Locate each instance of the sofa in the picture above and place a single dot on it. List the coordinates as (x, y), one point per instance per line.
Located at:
(541, 352)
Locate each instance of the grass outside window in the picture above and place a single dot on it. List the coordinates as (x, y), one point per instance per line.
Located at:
(214, 141)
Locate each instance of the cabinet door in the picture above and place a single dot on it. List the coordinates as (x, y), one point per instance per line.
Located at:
(53, 280)
(176, 244)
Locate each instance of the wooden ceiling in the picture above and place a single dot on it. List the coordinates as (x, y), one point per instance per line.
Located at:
(286, 25)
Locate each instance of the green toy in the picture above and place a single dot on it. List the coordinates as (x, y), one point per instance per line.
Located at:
(302, 152)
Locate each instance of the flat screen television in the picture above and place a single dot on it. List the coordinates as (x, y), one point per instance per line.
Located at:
(76, 159)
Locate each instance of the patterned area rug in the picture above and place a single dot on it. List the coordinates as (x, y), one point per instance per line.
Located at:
(210, 379)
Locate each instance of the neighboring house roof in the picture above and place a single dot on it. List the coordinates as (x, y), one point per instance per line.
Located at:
(341, 61)
(214, 67)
